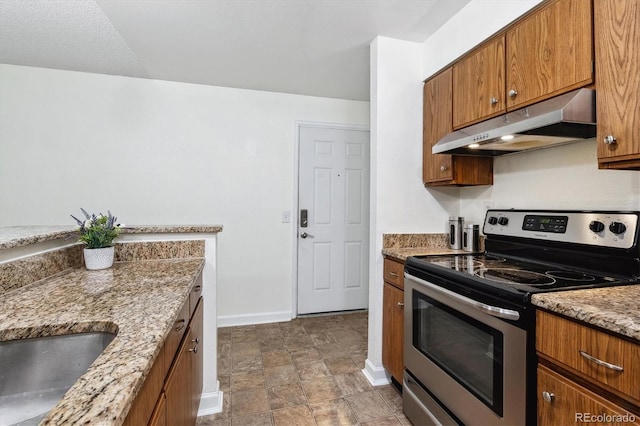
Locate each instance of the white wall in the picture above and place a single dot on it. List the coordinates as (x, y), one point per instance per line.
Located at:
(564, 177)
(399, 202)
(159, 152)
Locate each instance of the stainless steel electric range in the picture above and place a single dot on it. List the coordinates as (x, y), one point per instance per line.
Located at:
(470, 328)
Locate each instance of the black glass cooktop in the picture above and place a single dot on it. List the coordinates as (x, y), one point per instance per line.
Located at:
(520, 276)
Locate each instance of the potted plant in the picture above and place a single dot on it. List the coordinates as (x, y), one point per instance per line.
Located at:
(98, 233)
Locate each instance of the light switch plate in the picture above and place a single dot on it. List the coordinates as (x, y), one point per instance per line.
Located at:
(286, 216)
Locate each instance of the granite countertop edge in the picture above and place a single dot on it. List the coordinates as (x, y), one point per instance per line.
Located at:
(137, 300)
(610, 308)
(401, 254)
(17, 236)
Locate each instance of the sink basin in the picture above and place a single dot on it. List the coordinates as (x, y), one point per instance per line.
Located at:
(36, 373)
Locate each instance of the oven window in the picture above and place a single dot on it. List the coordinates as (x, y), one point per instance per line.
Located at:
(466, 349)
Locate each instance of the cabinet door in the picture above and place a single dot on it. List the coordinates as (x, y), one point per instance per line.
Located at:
(617, 42)
(393, 330)
(435, 125)
(568, 403)
(478, 84)
(178, 387)
(159, 416)
(550, 52)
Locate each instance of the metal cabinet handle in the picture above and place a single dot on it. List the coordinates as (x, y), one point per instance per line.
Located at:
(548, 396)
(181, 325)
(493, 101)
(305, 235)
(443, 168)
(196, 340)
(610, 140)
(197, 288)
(513, 93)
(194, 349)
(601, 362)
(393, 274)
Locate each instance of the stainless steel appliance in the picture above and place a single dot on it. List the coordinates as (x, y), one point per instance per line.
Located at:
(469, 328)
(470, 237)
(559, 120)
(455, 232)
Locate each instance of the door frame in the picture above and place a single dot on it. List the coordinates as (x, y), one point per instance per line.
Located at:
(294, 209)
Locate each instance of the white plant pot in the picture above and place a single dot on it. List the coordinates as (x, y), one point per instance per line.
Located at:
(101, 258)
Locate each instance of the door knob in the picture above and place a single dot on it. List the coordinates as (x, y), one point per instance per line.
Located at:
(305, 235)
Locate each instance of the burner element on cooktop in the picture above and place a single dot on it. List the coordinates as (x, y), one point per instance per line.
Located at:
(571, 276)
(515, 276)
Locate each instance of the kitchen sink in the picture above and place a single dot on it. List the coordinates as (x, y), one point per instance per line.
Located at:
(35, 373)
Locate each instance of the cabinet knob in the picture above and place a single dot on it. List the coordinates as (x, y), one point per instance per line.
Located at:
(513, 93)
(400, 304)
(493, 101)
(194, 349)
(443, 168)
(548, 396)
(610, 139)
(196, 340)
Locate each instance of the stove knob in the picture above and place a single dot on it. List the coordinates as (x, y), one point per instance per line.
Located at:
(503, 221)
(492, 220)
(617, 227)
(596, 226)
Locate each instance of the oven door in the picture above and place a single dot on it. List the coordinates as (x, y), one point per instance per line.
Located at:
(468, 358)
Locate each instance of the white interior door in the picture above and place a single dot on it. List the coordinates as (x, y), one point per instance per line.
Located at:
(333, 247)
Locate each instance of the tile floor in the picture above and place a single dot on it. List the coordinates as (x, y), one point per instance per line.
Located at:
(303, 372)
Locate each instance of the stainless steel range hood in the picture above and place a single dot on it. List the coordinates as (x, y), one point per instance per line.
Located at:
(563, 119)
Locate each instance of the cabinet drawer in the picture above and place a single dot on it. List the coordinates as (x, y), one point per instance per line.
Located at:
(394, 273)
(195, 294)
(574, 404)
(178, 329)
(582, 348)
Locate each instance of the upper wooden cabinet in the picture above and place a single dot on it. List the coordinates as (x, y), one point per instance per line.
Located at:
(478, 84)
(442, 169)
(617, 43)
(550, 52)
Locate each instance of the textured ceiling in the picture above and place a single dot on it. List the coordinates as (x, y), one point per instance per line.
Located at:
(309, 47)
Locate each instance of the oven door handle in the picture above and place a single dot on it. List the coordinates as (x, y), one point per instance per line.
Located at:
(483, 307)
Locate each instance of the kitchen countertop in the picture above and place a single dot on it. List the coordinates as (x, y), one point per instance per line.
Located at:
(140, 300)
(401, 254)
(611, 308)
(16, 236)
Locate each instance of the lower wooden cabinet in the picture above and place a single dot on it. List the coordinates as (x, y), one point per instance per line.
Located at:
(171, 392)
(564, 402)
(584, 373)
(393, 318)
(159, 415)
(183, 385)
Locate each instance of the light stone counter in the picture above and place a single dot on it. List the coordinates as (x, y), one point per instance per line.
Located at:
(611, 308)
(139, 300)
(17, 236)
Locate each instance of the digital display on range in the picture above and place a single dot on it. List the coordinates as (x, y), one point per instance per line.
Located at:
(555, 224)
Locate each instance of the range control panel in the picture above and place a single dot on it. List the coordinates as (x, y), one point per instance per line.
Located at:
(607, 229)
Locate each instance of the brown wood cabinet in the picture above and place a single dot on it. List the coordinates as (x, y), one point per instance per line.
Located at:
(171, 392)
(443, 169)
(569, 403)
(478, 84)
(584, 370)
(182, 387)
(549, 52)
(393, 318)
(617, 50)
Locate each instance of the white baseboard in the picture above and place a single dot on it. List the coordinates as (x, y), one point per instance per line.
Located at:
(250, 319)
(210, 403)
(377, 376)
